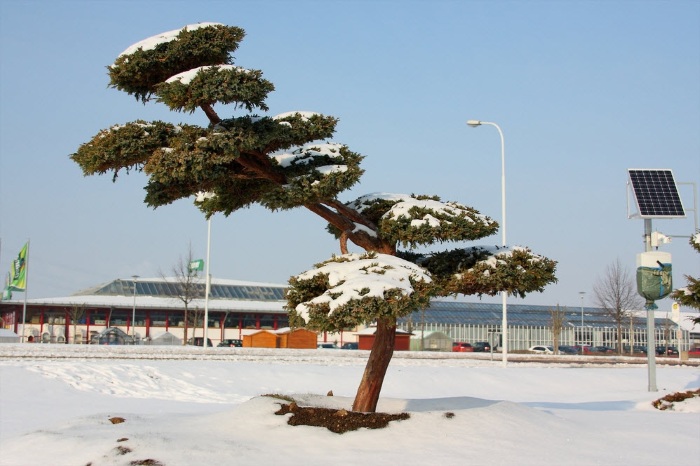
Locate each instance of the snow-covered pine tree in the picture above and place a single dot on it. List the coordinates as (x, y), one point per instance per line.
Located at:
(690, 294)
(285, 162)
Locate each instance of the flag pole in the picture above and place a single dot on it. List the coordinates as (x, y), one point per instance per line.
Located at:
(207, 288)
(26, 288)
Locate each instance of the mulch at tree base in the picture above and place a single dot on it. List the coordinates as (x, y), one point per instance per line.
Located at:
(337, 420)
(668, 401)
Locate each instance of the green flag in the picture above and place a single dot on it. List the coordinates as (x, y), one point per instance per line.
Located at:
(18, 272)
(197, 265)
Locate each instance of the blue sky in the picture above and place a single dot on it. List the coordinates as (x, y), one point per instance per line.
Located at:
(582, 91)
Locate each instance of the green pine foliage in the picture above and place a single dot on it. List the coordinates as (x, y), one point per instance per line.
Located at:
(237, 86)
(140, 72)
(285, 162)
(481, 271)
(127, 146)
(690, 294)
(327, 299)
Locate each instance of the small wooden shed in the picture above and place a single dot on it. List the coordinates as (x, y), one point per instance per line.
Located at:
(299, 338)
(261, 339)
(365, 339)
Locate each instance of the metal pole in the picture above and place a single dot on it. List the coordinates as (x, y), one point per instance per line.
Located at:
(504, 294)
(207, 288)
(26, 289)
(651, 343)
(133, 313)
(582, 293)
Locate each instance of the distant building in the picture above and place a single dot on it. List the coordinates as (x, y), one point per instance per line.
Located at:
(530, 325)
(148, 308)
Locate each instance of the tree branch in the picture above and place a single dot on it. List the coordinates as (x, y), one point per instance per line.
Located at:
(346, 225)
(344, 242)
(211, 114)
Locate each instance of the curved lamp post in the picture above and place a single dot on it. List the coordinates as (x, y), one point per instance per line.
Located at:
(474, 124)
(201, 197)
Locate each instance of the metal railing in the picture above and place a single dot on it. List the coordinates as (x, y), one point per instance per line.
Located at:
(523, 337)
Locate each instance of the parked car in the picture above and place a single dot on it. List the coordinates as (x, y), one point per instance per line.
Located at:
(567, 350)
(541, 349)
(198, 341)
(482, 346)
(667, 350)
(659, 351)
(462, 347)
(350, 345)
(635, 349)
(694, 352)
(583, 349)
(231, 343)
(327, 346)
(602, 349)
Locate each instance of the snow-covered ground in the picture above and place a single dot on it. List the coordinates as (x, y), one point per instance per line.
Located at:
(187, 406)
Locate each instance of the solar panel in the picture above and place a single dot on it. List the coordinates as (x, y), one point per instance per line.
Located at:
(656, 193)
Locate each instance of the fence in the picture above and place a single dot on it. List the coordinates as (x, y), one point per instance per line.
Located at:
(523, 337)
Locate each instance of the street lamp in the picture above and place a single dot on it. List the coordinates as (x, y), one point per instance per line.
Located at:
(201, 197)
(474, 124)
(582, 293)
(133, 312)
(207, 288)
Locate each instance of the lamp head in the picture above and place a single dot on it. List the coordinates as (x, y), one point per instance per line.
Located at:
(474, 123)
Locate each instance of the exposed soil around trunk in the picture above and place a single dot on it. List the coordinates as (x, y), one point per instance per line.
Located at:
(668, 401)
(337, 420)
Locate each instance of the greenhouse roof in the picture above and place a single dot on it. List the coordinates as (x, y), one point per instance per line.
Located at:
(450, 312)
(168, 287)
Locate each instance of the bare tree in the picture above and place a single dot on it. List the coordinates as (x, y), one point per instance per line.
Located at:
(556, 320)
(187, 287)
(75, 313)
(616, 293)
(631, 336)
(196, 320)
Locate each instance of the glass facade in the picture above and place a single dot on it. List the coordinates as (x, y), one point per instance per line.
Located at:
(491, 314)
(163, 288)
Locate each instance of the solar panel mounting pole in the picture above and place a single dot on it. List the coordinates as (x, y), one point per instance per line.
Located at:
(656, 196)
(651, 342)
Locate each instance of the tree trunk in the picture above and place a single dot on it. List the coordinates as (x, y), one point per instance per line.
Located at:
(184, 340)
(379, 358)
(619, 337)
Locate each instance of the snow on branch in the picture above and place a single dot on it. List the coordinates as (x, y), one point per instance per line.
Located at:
(306, 153)
(352, 277)
(305, 116)
(187, 76)
(168, 36)
(421, 220)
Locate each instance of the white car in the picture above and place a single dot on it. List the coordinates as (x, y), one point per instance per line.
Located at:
(540, 349)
